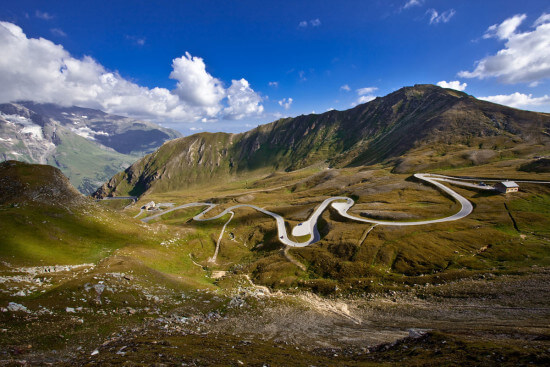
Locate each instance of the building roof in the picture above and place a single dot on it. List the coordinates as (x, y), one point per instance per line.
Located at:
(509, 184)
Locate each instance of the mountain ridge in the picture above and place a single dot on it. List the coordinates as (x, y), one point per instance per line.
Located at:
(445, 124)
(88, 145)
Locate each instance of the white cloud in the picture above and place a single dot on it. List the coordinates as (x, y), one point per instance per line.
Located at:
(345, 87)
(367, 90)
(444, 17)
(411, 3)
(505, 29)
(525, 58)
(286, 103)
(274, 84)
(455, 84)
(39, 70)
(518, 99)
(242, 101)
(58, 32)
(195, 85)
(365, 99)
(137, 40)
(43, 15)
(313, 23)
(544, 18)
(365, 95)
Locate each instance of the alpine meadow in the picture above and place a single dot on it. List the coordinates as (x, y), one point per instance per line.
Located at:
(227, 183)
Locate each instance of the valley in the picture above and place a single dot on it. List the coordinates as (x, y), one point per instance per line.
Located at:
(194, 255)
(89, 146)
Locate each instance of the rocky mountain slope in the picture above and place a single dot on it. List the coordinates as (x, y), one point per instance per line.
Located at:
(23, 183)
(88, 145)
(415, 128)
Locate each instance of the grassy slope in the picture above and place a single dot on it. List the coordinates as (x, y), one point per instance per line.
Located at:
(86, 164)
(139, 262)
(415, 128)
(486, 240)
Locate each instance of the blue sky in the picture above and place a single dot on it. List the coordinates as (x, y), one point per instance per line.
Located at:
(230, 65)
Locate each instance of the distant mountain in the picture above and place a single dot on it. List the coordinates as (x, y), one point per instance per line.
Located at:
(88, 145)
(415, 128)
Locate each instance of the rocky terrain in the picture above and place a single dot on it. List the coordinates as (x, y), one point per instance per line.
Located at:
(88, 145)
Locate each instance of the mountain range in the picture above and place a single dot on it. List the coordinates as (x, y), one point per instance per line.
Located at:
(417, 128)
(105, 282)
(88, 145)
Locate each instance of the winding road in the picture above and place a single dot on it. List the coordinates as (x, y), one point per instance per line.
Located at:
(341, 204)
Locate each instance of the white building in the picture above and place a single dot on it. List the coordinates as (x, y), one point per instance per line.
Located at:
(507, 186)
(149, 206)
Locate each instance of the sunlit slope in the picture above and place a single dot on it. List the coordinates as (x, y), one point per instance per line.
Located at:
(415, 128)
(46, 221)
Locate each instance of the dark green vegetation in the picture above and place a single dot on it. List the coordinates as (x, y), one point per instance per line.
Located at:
(540, 165)
(411, 130)
(89, 146)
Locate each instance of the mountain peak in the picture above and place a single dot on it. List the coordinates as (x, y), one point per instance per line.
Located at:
(407, 129)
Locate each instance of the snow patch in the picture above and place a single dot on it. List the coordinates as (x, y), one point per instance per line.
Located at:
(16, 119)
(34, 130)
(88, 133)
(85, 132)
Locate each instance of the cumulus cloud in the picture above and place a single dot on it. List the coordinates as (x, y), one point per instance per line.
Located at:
(436, 17)
(39, 70)
(195, 85)
(525, 57)
(286, 103)
(455, 84)
(273, 84)
(345, 87)
(367, 90)
(544, 18)
(365, 99)
(518, 99)
(506, 28)
(242, 101)
(365, 95)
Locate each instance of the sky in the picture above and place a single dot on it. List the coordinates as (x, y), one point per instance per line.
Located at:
(229, 65)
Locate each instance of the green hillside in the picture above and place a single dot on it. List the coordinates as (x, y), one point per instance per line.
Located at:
(415, 128)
